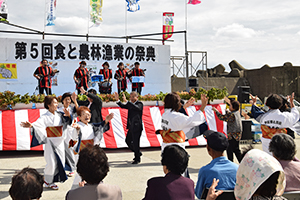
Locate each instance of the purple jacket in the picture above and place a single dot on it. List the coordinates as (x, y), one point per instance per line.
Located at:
(170, 187)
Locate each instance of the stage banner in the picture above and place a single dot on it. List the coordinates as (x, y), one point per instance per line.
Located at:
(3, 10)
(8, 71)
(168, 24)
(65, 56)
(194, 2)
(133, 5)
(96, 12)
(50, 12)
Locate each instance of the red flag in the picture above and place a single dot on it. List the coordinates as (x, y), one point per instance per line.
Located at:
(194, 2)
(168, 26)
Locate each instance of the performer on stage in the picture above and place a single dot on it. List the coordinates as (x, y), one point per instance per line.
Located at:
(81, 77)
(50, 129)
(87, 133)
(44, 74)
(175, 125)
(67, 99)
(105, 86)
(134, 123)
(121, 75)
(137, 72)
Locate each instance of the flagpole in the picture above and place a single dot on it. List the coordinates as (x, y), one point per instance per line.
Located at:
(88, 20)
(126, 22)
(185, 14)
(44, 18)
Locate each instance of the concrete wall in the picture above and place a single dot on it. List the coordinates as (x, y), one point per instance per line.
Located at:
(178, 84)
(280, 80)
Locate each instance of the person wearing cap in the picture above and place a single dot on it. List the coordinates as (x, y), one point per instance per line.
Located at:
(220, 167)
(81, 77)
(137, 72)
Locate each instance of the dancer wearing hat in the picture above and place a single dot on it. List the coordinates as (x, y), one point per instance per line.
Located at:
(137, 72)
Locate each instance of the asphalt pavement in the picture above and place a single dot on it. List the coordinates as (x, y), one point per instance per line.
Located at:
(132, 179)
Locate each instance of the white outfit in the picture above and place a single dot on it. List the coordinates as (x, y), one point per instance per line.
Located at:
(177, 121)
(86, 132)
(277, 119)
(51, 143)
(69, 151)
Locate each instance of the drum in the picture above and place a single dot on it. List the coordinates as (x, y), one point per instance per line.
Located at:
(105, 84)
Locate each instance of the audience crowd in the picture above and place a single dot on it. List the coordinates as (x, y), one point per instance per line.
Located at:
(258, 176)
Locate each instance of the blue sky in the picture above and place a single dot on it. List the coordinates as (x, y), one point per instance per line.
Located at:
(252, 32)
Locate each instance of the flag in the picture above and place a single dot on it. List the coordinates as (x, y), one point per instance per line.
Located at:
(3, 10)
(96, 12)
(50, 12)
(168, 25)
(194, 2)
(132, 5)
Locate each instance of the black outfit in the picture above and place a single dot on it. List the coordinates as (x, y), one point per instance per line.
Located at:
(96, 106)
(234, 148)
(134, 126)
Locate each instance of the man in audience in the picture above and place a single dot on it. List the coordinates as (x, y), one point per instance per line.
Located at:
(283, 148)
(220, 167)
(26, 184)
(172, 186)
(93, 167)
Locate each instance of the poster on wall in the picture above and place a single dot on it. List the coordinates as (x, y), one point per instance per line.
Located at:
(66, 55)
(8, 71)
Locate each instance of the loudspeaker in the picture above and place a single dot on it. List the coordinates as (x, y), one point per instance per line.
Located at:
(247, 134)
(244, 92)
(193, 82)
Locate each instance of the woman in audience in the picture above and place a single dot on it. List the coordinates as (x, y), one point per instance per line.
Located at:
(93, 167)
(259, 176)
(283, 148)
(172, 186)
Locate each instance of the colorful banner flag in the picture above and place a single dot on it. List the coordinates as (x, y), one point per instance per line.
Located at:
(133, 5)
(96, 12)
(8, 71)
(194, 2)
(168, 26)
(50, 12)
(3, 10)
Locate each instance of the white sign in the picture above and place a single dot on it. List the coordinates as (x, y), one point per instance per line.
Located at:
(66, 55)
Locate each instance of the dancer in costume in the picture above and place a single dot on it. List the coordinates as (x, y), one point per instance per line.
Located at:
(274, 121)
(121, 75)
(50, 129)
(67, 99)
(175, 125)
(105, 86)
(86, 133)
(81, 77)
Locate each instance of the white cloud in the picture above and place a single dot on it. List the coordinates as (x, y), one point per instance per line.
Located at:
(235, 31)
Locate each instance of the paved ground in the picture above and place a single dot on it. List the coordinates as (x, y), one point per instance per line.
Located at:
(132, 179)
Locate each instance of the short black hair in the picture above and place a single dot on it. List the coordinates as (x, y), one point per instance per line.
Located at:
(120, 64)
(26, 184)
(235, 105)
(175, 158)
(136, 63)
(82, 63)
(92, 164)
(172, 101)
(44, 60)
(283, 147)
(93, 91)
(48, 100)
(274, 101)
(105, 63)
(65, 95)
